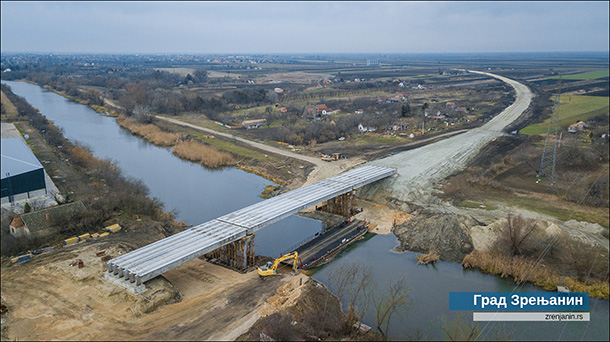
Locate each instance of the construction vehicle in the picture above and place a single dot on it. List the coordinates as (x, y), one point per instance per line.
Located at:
(271, 267)
(336, 156)
(326, 157)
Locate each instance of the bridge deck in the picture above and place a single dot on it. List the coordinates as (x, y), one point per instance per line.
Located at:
(149, 261)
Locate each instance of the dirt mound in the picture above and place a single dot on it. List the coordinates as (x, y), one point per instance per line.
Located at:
(447, 234)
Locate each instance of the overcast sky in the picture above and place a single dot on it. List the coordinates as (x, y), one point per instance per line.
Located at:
(303, 27)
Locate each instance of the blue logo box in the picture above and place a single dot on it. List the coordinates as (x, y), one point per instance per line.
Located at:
(521, 301)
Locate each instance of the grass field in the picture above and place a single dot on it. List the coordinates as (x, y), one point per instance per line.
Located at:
(571, 109)
(477, 205)
(590, 75)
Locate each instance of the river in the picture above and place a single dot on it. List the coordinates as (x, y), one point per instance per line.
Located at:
(197, 195)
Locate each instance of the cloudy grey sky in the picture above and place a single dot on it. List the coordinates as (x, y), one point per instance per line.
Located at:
(303, 27)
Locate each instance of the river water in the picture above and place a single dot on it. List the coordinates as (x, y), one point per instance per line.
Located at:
(197, 195)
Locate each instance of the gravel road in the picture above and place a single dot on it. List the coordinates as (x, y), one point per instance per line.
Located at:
(420, 169)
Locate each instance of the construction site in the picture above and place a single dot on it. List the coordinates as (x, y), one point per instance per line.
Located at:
(223, 280)
(140, 273)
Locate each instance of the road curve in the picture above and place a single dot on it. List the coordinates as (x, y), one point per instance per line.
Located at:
(418, 170)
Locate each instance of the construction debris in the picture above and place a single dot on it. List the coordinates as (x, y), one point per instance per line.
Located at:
(78, 262)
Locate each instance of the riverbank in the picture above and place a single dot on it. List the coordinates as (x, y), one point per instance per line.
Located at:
(548, 254)
(71, 303)
(274, 168)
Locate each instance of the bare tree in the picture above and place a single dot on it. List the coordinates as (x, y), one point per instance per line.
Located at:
(461, 329)
(388, 303)
(352, 282)
(142, 114)
(514, 232)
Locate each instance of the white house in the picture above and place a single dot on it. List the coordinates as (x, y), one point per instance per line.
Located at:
(366, 129)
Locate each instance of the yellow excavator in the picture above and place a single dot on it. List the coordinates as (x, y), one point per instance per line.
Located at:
(271, 267)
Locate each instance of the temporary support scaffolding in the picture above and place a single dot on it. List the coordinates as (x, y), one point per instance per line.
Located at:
(145, 263)
(343, 205)
(238, 255)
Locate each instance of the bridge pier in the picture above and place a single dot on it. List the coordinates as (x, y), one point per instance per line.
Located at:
(226, 238)
(344, 205)
(238, 255)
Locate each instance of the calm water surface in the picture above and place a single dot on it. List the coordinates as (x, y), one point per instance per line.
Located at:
(194, 193)
(198, 195)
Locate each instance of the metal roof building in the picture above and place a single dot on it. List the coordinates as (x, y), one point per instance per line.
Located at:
(20, 170)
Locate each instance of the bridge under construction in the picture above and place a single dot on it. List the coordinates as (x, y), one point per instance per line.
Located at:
(138, 266)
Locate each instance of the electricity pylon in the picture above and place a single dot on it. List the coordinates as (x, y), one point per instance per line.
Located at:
(553, 137)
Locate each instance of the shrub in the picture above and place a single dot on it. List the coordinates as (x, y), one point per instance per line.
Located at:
(204, 154)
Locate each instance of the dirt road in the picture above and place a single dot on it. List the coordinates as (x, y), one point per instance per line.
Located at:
(419, 169)
(322, 169)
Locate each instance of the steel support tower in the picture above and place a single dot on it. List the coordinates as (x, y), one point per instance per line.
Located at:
(548, 161)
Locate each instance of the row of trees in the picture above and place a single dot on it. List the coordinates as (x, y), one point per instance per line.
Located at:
(100, 185)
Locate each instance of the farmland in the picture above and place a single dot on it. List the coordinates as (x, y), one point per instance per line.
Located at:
(572, 108)
(589, 75)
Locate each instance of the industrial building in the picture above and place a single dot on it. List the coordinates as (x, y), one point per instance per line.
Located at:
(22, 173)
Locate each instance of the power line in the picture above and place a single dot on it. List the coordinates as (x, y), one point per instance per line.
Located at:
(520, 285)
(553, 137)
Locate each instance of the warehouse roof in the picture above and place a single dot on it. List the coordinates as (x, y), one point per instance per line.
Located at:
(17, 158)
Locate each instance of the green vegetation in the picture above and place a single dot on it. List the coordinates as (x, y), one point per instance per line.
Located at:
(571, 109)
(590, 75)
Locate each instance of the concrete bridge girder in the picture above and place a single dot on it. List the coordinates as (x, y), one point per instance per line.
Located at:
(154, 259)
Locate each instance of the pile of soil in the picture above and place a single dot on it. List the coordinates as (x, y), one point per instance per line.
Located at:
(446, 234)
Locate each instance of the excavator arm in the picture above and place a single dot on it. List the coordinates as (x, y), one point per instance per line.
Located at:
(271, 270)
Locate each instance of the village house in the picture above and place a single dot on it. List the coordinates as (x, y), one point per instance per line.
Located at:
(364, 129)
(397, 126)
(256, 123)
(37, 223)
(461, 110)
(577, 127)
(310, 112)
